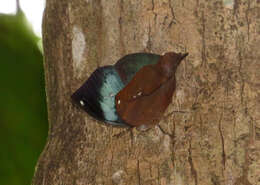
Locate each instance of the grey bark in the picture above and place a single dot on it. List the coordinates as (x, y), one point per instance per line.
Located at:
(210, 133)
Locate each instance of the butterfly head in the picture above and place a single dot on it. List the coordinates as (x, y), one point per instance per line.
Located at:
(170, 61)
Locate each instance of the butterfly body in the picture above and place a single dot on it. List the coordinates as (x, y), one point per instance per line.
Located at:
(135, 91)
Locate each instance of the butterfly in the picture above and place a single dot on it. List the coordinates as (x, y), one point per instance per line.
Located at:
(135, 91)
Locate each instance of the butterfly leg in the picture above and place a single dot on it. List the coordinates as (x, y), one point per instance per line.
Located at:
(143, 128)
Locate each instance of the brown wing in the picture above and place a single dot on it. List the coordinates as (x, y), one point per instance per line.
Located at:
(144, 82)
(145, 98)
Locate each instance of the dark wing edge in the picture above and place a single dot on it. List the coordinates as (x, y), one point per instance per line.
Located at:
(90, 94)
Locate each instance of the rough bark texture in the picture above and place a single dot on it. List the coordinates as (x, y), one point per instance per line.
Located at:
(215, 136)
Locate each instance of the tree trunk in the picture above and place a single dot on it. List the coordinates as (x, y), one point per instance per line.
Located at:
(211, 131)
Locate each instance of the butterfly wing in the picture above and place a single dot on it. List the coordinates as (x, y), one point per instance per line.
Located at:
(140, 101)
(129, 65)
(97, 95)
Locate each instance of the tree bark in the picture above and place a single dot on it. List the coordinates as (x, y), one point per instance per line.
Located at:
(211, 131)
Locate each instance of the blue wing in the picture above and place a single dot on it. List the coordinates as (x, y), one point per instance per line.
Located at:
(130, 64)
(97, 95)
